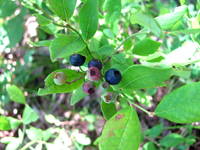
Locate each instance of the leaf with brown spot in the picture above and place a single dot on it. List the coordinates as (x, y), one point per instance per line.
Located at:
(111, 133)
(121, 132)
(120, 116)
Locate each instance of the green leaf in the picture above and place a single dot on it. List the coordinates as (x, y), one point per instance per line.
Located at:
(42, 20)
(108, 110)
(109, 33)
(113, 10)
(172, 140)
(155, 131)
(104, 51)
(157, 59)
(39, 3)
(167, 21)
(63, 8)
(121, 62)
(38, 134)
(121, 132)
(7, 8)
(50, 28)
(29, 115)
(7, 139)
(77, 95)
(88, 18)
(14, 123)
(65, 45)
(8, 123)
(173, 58)
(182, 2)
(181, 105)
(4, 123)
(139, 77)
(146, 21)
(51, 87)
(14, 144)
(146, 47)
(149, 146)
(45, 43)
(14, 29)
(46, 24)
(16, 94)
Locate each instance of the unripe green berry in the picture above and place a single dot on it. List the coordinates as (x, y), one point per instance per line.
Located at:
(59, 78)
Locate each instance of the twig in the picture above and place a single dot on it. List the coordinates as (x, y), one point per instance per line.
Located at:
(81, 69)
(122, 43)
(178, 127)
(151, 114)
(152, 140)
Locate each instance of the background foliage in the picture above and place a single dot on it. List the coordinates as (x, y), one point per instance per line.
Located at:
(154, 44)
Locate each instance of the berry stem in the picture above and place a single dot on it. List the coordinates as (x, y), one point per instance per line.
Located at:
(81, 69)
(129, 37)
(81, 77)
(151, 114)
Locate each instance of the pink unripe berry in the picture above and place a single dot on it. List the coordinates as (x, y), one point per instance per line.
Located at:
(89, 88)
(93, 74)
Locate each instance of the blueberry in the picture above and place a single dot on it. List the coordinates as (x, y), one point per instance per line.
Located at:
(95, 63)
(59, 78)
(89, 88)
(77, 59)
(93, 74)
(113, 76)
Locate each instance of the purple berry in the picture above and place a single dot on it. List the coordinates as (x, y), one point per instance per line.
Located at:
(89, 88)
(93, 74)
(95, 63)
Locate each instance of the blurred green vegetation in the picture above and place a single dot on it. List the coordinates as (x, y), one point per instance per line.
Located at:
(50, 122)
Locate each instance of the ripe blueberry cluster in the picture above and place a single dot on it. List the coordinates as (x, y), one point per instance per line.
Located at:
(112, 76)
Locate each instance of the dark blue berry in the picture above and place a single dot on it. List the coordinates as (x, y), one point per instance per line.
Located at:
(113, 76)
(95, 63)
(77, 59)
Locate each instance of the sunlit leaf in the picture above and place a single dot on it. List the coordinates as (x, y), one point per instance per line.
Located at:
(181, 105)
(88, 18)
(72, 76)
(121, 132)
(16, 94)
(29, 115)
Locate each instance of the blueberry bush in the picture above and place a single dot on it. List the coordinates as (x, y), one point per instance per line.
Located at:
(136, 58)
